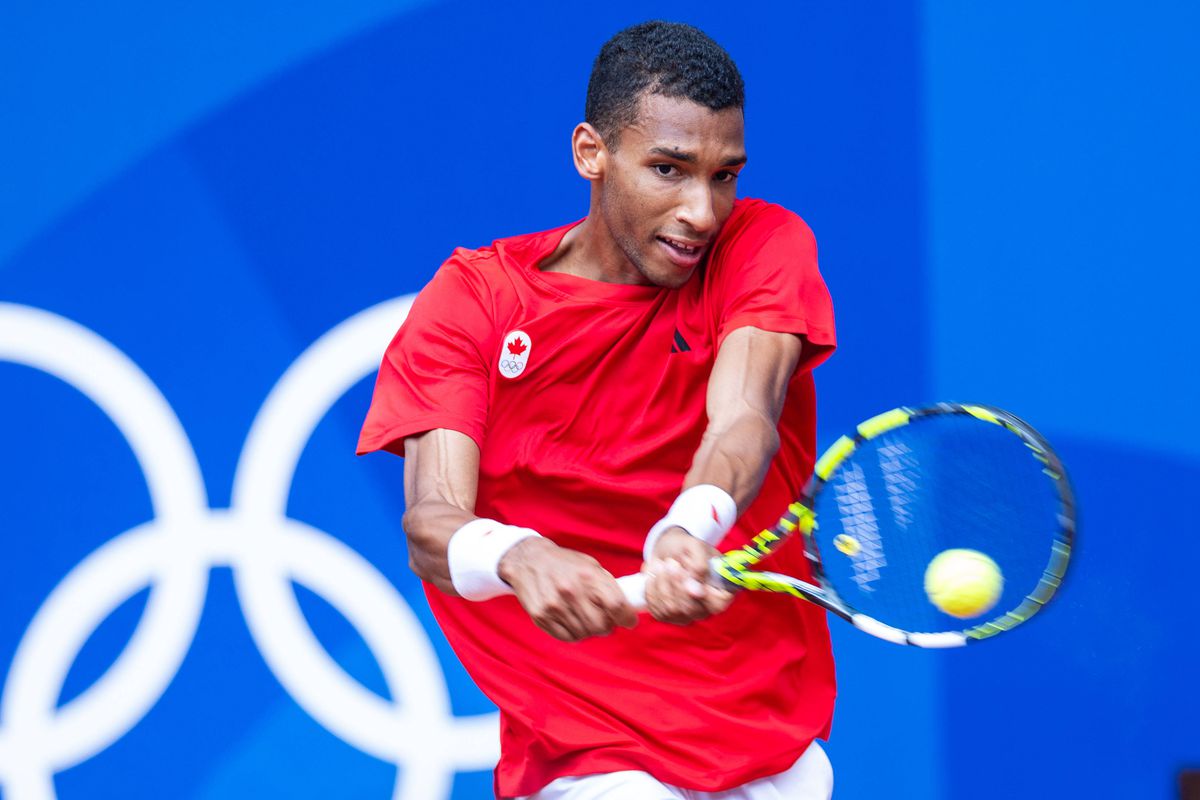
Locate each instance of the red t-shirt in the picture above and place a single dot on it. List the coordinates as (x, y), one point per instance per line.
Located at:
(587, 442)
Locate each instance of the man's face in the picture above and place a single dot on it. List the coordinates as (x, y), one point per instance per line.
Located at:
(670, 185)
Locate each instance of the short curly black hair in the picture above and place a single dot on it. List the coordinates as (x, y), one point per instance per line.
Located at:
(667, 58)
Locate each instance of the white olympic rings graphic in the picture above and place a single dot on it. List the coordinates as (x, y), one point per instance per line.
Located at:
(175, 552)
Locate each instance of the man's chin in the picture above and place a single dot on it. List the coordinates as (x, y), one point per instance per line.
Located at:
(669, 279)
(677, 281)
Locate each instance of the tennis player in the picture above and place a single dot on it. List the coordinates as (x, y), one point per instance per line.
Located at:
(626, 392)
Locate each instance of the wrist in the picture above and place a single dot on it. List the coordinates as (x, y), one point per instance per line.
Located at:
(474, 555)
(521, 557)
(705, 511)
(669, 543)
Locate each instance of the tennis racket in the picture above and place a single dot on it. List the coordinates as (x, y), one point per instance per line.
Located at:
(908, 486)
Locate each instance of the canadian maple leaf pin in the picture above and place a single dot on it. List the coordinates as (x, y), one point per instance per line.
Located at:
(516, 346)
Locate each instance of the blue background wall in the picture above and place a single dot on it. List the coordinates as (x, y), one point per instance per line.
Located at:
(1005, 199)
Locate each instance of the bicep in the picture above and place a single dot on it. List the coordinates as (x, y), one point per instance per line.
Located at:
(750, 376)
(441, 467)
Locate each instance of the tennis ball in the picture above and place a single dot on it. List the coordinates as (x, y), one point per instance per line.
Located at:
(963, 583)
(846, 545)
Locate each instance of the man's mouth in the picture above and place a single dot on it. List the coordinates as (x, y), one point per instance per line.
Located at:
(685, 253)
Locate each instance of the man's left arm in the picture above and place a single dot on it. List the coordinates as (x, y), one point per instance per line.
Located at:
(746, 393)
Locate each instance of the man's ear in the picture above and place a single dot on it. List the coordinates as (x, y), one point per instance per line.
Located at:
(589, 151)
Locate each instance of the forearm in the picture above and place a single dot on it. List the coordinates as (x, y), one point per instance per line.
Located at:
(746, 393)
(727, 470)
(466, 555)
(440, 487)
(725, 477)
(566, 593)
(735, 456)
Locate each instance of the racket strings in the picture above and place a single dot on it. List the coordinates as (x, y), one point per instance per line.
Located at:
(938, 483)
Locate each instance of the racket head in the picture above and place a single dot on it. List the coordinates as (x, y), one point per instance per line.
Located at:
(912, 483)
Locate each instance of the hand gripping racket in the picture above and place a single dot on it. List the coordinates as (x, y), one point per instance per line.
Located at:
(907, 486)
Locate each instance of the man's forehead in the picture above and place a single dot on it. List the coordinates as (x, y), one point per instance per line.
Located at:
(682, 125)
(667, 109)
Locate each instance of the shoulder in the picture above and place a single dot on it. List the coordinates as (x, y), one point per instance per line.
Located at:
(753, 222)
(499, 270)
(761, 240)
(468, 271)
(764, 273)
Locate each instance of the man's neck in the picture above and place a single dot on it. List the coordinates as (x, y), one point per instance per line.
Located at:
(588, 251)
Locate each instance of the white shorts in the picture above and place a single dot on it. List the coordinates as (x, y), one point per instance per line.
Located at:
(810, 778)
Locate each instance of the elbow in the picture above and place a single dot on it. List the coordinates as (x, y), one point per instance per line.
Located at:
(766, 432)
(411, 520)
(416, 524)
(760, 442)
(752, 434)
(771, 439)
(766, 446)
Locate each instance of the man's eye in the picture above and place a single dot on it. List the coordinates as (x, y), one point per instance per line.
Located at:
(665, 170)
(726, 177)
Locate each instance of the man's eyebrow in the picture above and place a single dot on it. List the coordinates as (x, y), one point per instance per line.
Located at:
(690, 158)
(675, 153)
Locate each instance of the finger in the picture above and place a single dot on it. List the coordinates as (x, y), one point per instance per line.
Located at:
(660, 572)
(614, 605)
(695, 559)
(610, 602)
(625, 616)
(557, 614)
(615, 611)
(686, 580)
(679, 596)
(606, 605)
(556, 629)
(701, 569)
(711, 600)
(588, 618)
(716, 600)
(677, 602)
(666, 586)
(656, 593)
(652, 567)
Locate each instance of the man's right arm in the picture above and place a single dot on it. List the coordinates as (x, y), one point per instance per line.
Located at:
(566, 593)
(441, 479)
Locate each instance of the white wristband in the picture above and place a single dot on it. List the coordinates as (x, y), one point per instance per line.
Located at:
(474, 555)
(705, 511)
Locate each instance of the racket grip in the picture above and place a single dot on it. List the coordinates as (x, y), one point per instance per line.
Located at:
(634, 587)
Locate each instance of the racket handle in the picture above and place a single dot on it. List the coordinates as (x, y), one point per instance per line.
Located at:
(634, 587)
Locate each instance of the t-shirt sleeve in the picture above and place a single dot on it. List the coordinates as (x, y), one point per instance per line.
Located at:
(769, 280)
(434, 373)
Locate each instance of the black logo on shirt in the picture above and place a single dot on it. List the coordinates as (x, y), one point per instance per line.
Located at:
(680, 345)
